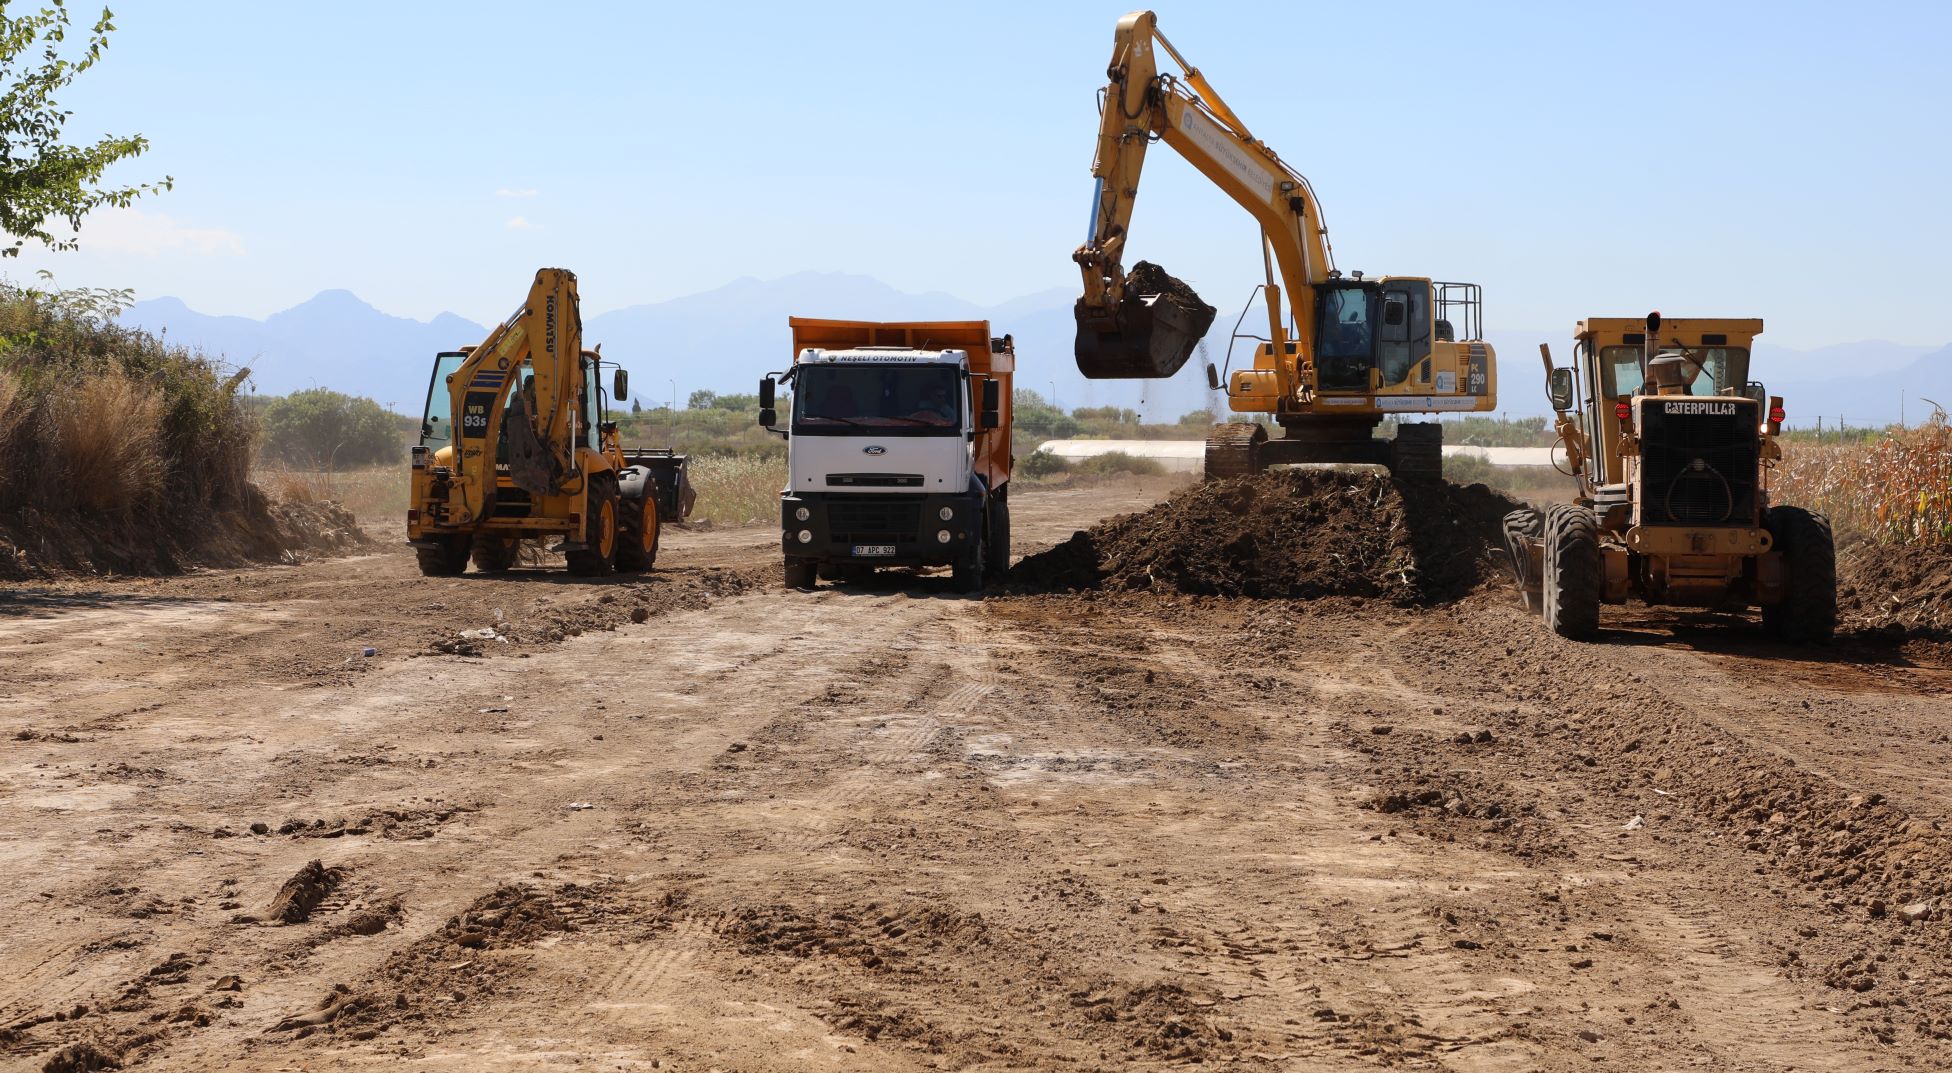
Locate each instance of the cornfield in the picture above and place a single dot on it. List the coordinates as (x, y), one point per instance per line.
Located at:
(1897, 490)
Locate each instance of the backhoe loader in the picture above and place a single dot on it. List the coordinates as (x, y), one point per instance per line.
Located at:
(1344, 354)
(1673, 447)
(537, 457)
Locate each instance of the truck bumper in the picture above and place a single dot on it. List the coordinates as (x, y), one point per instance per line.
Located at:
(879, 529)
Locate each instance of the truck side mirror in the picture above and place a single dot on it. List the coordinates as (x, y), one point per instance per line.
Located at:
(620, 386)
(992, 404)
(1559, 387)
(768, 417)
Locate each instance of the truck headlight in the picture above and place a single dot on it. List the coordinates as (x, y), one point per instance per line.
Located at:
(802, 514)
(806, 536)
(946, 513)
(942, 535)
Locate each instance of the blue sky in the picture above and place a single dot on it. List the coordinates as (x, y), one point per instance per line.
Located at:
(1786, 160)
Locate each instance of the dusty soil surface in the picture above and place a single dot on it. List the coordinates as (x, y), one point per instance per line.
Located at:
(695, 822)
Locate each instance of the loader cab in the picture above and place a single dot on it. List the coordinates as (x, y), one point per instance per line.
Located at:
(437, 416)
(1384, 327)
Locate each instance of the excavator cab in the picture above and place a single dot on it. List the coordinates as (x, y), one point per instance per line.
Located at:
(1150, 333)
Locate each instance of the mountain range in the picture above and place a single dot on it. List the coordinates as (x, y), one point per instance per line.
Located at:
(725, 338)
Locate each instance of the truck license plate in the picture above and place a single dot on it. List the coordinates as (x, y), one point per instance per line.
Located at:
(874, 549)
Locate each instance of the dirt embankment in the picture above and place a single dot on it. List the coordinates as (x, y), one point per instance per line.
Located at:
(1901, 588)
(256, 529)
(1289, 534)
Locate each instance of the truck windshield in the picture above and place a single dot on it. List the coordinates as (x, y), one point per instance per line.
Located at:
(1721, 368)
(924, 400)
(438, 415)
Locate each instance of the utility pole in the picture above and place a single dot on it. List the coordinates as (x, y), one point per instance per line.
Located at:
(1054, 403)
(674, 395)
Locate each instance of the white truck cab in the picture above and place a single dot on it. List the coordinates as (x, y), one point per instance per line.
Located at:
(894, 453)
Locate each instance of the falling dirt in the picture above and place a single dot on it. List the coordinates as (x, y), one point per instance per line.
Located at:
(1290, 534)
(1285, 823)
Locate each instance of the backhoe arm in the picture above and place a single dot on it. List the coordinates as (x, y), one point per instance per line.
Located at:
(1141, 104)
(547, 334)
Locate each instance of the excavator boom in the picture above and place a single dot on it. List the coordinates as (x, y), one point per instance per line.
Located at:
(1146, 324)
(536, 352)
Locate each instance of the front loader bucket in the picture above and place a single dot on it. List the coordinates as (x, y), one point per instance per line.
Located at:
(1157, 326)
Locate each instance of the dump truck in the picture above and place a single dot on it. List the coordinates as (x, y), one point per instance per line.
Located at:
(1341, 353)
(536, 456)
(1673, 447)
(898, 449)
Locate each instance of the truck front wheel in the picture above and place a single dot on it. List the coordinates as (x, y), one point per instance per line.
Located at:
(800, 574)
(967, 575)
(999, 539)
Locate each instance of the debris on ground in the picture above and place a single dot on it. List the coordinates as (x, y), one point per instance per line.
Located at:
(1290, 534)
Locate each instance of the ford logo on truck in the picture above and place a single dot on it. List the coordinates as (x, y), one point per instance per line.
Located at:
(874, 449)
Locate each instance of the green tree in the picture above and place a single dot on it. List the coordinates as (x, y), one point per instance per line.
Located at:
(323, 429)
(1039, 419)
(40, 175)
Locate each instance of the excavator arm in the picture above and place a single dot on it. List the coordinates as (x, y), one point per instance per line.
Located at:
(546, 335)
(1119, 315)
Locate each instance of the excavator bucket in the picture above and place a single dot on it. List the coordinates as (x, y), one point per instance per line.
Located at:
(1156, 328)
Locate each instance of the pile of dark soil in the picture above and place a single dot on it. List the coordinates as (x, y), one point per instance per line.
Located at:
(1880, 586)
(1290, 534)
(1149, 278)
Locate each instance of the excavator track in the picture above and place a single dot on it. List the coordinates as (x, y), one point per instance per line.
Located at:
(1234, 450)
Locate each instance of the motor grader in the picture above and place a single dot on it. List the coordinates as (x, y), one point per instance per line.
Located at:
(536, 456)
(1673, 448)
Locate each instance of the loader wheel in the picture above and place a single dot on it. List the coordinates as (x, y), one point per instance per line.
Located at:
(448, 559)
(1417, 452)
(1572, 571)
(1523, 527)
(598, 556)
(1234, 450)
(1808, 611)
(638, 536)
(494, 555)
(999, 538)
(800, 574)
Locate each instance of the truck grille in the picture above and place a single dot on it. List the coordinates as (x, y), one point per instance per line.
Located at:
(1698, 460)
(874, 519)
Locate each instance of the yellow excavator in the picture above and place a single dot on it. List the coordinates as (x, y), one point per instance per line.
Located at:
(536, 456)
(1343, 354)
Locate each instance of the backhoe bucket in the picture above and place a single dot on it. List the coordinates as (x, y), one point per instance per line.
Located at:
(1157, 327)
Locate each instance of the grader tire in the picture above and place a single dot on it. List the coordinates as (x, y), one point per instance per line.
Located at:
(1808, 611)
(1571, 585)
(1523, 527)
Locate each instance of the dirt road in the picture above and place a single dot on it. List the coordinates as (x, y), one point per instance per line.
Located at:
(874, 829)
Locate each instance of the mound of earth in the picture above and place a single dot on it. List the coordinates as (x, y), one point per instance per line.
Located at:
(1290, 534)
(1881, 586)
(253, 528)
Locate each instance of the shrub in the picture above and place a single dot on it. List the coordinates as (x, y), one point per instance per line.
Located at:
(1116, 463)
(114, 448)
(1039, 464)
(737, 489)
(324, 429)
